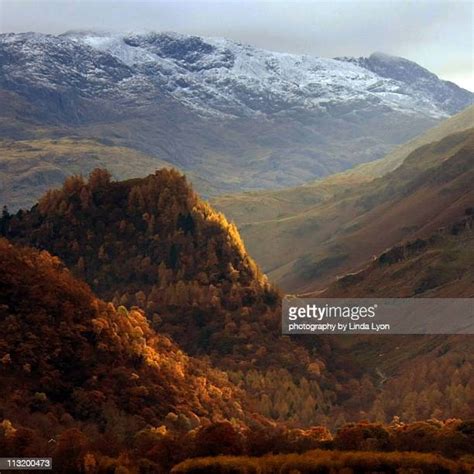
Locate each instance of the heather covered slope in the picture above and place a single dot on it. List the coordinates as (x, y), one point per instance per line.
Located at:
(339, 227)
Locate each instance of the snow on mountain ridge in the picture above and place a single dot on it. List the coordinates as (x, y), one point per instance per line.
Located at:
(217, 76)
(445, 94)
(221, 74)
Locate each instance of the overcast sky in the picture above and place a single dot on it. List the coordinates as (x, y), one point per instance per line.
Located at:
(438, 34)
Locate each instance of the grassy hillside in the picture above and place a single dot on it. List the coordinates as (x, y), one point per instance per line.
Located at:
(441, 265)
(459, 122)
(303, 237)
(29, 168)
(416, 371)
(253, 207)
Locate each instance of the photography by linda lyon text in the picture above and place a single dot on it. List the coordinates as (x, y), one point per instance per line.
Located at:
(340, 327)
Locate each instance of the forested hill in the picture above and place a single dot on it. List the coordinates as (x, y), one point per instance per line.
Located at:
(77, 372)
(153, 243)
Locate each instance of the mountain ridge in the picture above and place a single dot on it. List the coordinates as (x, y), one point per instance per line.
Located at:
(202, 54)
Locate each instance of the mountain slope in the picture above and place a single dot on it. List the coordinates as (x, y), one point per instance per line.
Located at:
(226, 113)
(97, 390)
(416, 371)
(252, 207)
(436, 267)
(420, 79)
(152, 243)
(432, 188)
(89, 377)
(29, 168)
(219, 76)
(333, 226)
(457, 123)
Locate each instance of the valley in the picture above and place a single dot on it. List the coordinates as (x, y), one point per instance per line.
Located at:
(321, 230)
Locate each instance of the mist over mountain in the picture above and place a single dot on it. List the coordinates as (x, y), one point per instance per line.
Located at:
(233, 116)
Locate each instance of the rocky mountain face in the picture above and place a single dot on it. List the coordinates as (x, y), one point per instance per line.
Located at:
(417, 80)
(230, 114)
(222, 77)
(219, 77)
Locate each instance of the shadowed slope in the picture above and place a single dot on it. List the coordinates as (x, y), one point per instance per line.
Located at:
(340, 230)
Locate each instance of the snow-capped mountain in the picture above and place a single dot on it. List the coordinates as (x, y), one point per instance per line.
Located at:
(418, 80)
(218, 76)
(239, 116)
